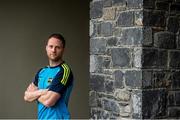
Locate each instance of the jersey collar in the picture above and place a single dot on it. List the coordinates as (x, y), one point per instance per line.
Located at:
(56, 65)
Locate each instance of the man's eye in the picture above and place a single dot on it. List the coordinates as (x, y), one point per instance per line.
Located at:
(50, 46)
(58, 47)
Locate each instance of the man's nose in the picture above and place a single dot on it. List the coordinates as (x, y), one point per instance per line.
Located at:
(53, 49)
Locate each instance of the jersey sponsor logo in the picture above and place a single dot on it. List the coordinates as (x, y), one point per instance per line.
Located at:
(50, 80)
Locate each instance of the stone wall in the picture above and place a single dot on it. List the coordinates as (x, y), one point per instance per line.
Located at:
(134, 59)
(161, 60)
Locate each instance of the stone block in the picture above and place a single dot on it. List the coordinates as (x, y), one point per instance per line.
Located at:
(104, 29)
(174, 61)
(107, 3)
(96, 9)
(122, 95)
(177, 98)
(97, 46)
(162, 5)
(131, 36)
(109, 86)
(178, 41)
(154, 107)
(173, 24)
(125, 19)
(161, 79)
(109, 13)
(99, 63)
(91, 29)
(136, 99)
(165, 40)
(118, 79)
(162, 59)
(165, 1)
(153, 58)
(174, 112)
(154, 18)
(147, 77)
(92, 99)
(99, 114)
(138, 18)
(147, 36)
(149, 4)
(117, 32)
(174, 8)
(111, 105)
(125, 111)
(118, 2)
(121, 57)
(136, 36)
(133, 79)
(135, 3)
(97, 83)
(175, 80)
(96, 63)
(171, 99)
(137, 57)
(106, 62)
(149, 58)
(112, 41)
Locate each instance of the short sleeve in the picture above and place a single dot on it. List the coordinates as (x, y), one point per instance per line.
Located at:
(35, 81)
(62, 80)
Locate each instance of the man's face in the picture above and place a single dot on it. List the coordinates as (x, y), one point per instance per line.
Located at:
(54, 49)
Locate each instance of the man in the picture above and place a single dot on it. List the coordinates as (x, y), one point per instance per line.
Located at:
(52, 85)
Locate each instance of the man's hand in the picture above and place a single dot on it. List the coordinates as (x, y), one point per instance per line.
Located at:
(31, 88)
(32, 93)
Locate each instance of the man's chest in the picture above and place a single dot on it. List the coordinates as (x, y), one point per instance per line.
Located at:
(46, 78)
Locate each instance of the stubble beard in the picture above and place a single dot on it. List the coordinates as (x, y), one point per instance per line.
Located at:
(55, 59)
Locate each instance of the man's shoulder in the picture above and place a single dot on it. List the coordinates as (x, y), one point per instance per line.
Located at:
(66, 67)
(42, 69)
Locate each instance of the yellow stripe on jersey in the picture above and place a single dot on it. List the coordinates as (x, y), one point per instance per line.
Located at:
(66, 74)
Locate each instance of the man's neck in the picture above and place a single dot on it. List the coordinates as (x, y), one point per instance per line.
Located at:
(55, 63)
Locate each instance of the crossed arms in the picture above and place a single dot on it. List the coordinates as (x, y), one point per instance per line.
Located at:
(46, 97)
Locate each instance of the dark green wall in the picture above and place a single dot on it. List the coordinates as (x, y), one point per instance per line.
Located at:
(24, 27)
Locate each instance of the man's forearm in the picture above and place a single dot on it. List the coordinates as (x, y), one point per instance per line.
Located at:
(49, 98)
(43, 98)
(31, 96)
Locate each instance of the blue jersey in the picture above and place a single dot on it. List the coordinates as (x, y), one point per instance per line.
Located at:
(58, 79)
